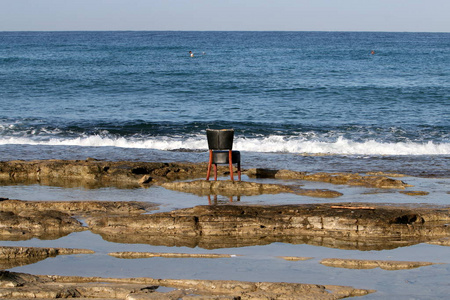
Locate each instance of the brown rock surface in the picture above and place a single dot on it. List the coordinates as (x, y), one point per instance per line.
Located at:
(15, 226)
(22, 220)
(343, 225)
(295, 258)
(93, 172)
(243, 188)
(372, 264)
(19, 285)
(374, 181)
(415, 193)
(11, 257)
(79, 208)
(445, 241)
(132, 255)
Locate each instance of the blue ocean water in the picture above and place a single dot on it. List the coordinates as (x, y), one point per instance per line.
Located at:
(298, 100)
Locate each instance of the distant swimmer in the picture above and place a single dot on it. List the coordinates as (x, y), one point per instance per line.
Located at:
(373, 52)
(191, 54)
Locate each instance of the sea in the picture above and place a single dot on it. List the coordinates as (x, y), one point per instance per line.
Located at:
(306, 101)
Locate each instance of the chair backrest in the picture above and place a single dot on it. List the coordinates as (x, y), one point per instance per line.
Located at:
(220, 139)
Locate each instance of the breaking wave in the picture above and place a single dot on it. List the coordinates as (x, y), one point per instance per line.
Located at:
(274, 143)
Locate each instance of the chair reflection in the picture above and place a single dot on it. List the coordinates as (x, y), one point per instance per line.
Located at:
(215, 200)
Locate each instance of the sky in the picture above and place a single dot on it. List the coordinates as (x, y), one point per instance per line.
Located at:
(226, 15)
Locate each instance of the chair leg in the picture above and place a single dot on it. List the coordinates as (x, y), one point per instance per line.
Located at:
(209, 165)
(215, 172)
(230, 160)
(239, 170)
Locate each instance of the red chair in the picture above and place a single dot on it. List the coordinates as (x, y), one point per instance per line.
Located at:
(220, 144)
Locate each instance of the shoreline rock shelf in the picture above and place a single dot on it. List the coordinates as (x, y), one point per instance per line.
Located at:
(78, 208)
(345, 225)
(20, 285)
(372, 264)
(11, 257)
(362, 226)
(340, 225)
(94, 173)
(243, 188)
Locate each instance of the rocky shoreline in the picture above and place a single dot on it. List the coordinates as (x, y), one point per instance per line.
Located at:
(343, 225)
(95, 173)
(19, 285)
(339, 225)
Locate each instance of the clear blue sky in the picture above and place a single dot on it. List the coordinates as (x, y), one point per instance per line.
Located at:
(296, 15)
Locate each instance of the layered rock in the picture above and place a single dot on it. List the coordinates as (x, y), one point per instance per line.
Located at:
(78, 208)
(23, 220)
(372, 264)
(93, 172)
(11, 257)
(243, 188)
(344, 225)
(133, 255)
(44, 225)
(374, 181)
(19, 285)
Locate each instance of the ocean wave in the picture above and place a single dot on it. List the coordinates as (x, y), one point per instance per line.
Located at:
(275, 143)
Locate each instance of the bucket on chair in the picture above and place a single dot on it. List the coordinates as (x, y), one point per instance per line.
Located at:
(220, 139)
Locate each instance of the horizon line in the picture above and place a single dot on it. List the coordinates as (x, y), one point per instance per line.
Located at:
(182, 30)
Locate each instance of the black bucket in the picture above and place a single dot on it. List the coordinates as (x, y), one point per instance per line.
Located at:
(220, 139)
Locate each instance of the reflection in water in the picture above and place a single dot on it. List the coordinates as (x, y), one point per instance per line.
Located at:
(215, 201)
(223, 242)
(340, 226)
(18, 262)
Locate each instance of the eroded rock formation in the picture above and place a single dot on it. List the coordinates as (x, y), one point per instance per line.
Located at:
(133, 255)
(343, 225)
(372, 264)
(78, 208)
(19, 285)
(243, 188)
(11, 257)
(374, 181)
(44, 225)
(94, 173)
(23, 220)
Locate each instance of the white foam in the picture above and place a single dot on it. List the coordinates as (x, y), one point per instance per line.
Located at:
(273, 143)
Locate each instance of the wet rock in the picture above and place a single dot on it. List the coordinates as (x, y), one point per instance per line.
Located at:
(386, 174)
(146, 179)
(295, 258)
(318, 193)
(11, 257)
(24, 225)
(415, 193)
(243, 188)
(79, 208)
(95, 173)
(441, 242)
(132, 255)
(19, 285)
(374, 181)
(210, 227)
(278, 174)
(22, 220)
(226, 187)
(372, 264)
